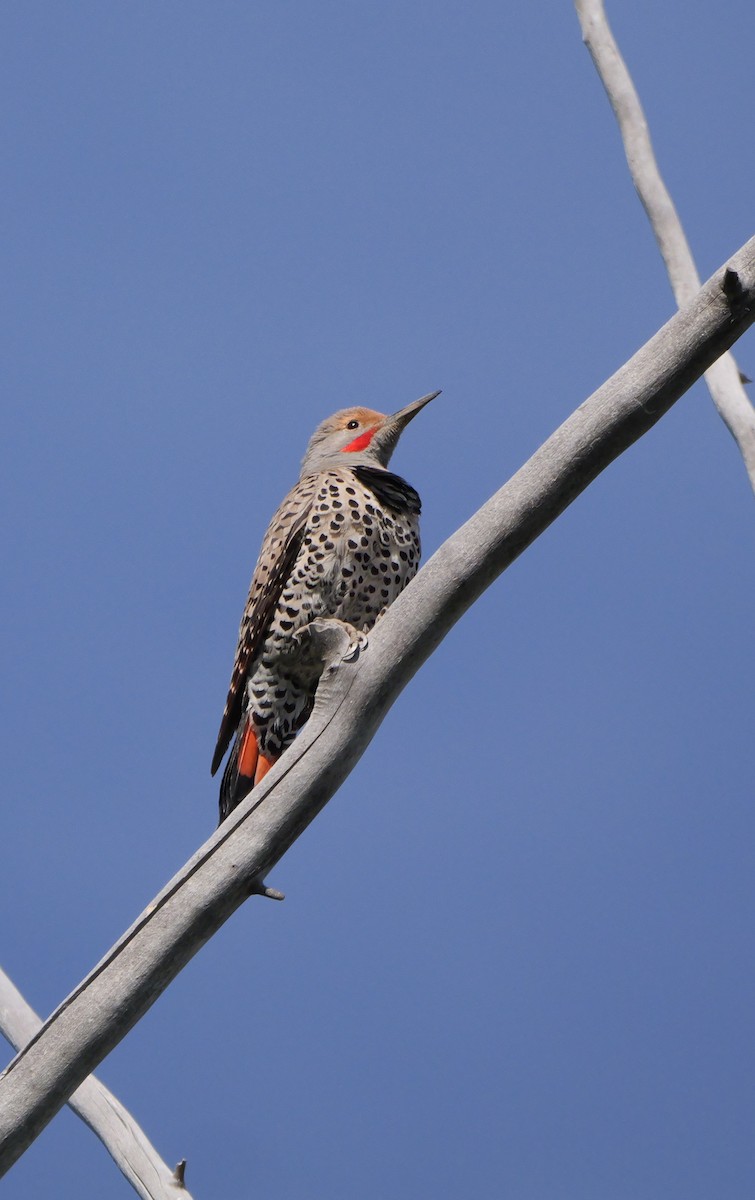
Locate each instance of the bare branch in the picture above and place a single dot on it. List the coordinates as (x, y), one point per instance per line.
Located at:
(125, 1142)
(724, 379)
(352, 700)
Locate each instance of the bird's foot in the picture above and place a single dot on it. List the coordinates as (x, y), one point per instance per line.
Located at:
(331, 640)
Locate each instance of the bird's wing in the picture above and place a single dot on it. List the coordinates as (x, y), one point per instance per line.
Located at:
(391, 490)
(280, 547)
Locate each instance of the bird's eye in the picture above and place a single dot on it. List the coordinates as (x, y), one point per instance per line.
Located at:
(353, 425)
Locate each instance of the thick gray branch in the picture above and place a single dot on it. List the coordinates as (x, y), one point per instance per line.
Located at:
(353, 699)
(127, 1144)
(723, 378)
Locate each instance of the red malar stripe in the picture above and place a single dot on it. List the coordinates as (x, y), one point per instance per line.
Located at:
(362, 441)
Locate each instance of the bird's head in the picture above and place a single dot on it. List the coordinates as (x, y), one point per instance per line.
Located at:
(358, 437)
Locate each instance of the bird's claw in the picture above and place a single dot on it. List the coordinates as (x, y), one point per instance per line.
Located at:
(358, 643)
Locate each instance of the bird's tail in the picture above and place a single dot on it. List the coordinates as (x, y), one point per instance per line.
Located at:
(245, 767)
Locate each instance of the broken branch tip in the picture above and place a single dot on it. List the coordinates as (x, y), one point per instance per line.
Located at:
(261, 889)
(731, 285)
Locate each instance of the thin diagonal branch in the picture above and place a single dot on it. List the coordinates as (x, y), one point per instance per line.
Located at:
(124, 1140)
(723, 378)
(354, 697)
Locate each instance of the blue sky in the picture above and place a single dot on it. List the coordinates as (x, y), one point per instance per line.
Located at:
(516, 954)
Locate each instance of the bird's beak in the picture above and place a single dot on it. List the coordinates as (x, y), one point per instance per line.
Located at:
(392, 428)
(405, 415)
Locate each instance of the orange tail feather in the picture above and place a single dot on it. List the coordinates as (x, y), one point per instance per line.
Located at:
(263, 766)
(245, 767)
(249, 752)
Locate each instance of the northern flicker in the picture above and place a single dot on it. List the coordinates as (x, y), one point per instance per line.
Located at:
(343, 544)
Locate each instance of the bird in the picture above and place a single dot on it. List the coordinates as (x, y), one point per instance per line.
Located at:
(343, 544)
